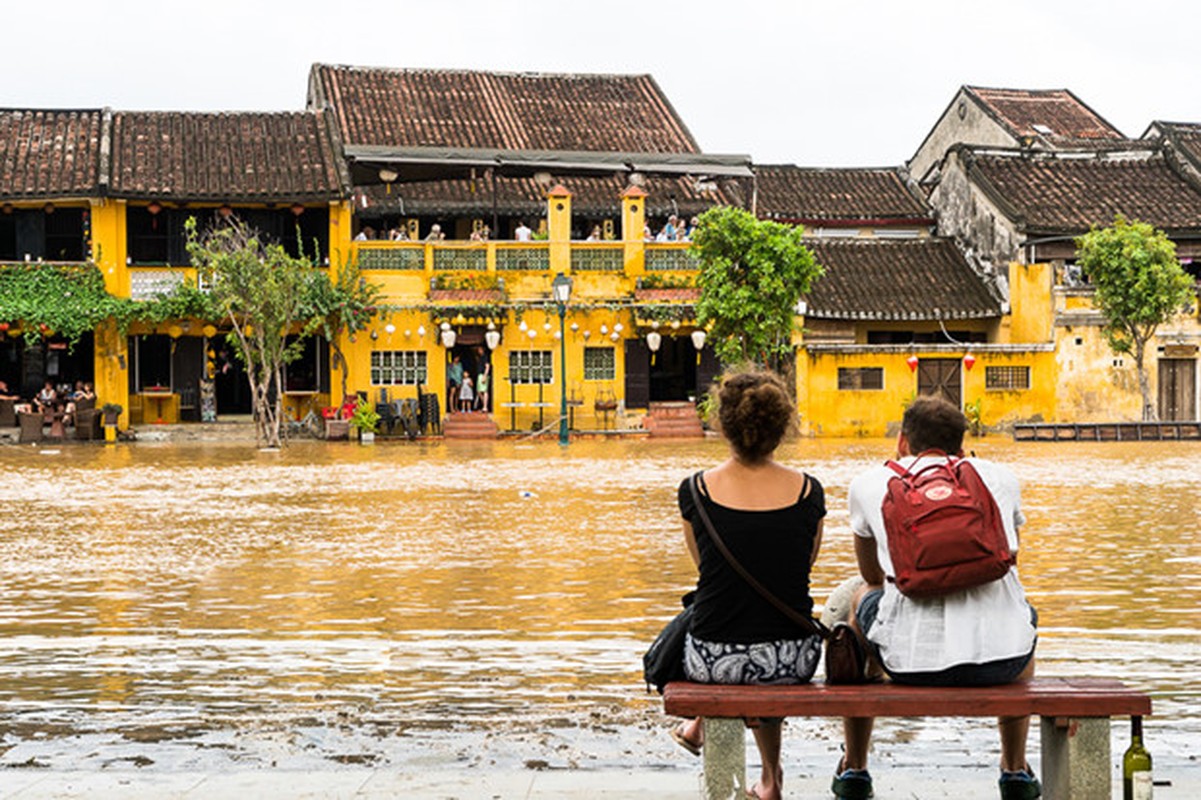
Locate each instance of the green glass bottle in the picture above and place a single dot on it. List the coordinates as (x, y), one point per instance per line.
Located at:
(1136, 765)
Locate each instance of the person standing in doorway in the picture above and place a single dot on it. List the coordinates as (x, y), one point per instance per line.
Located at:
(466, 393)
(482, 386)
(454, 382)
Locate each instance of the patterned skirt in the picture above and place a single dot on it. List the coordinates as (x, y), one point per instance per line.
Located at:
(781, 661)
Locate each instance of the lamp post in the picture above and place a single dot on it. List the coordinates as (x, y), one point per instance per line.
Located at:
(560, 289)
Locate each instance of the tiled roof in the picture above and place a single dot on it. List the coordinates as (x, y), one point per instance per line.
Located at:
(1046, 193)
(45, 153)
(890, 279)
(513, 111)
(786, 192)
(1067, 117)
(1186, 136)
(223, 156)
(590, 195)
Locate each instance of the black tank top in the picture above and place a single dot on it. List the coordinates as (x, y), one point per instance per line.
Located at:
(774, 546)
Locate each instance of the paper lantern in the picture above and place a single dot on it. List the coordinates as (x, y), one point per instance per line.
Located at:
(969, 361)
(912, 362)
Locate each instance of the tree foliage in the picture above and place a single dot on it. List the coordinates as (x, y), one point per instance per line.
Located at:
(66, 300)
(1139, 286)
(752, 273)
(261, 291)
(341, 304)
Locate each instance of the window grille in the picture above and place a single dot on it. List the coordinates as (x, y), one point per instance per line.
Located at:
(599, 363)
(1006, 378)
(531, 366)
(398, 367)
(854, 379)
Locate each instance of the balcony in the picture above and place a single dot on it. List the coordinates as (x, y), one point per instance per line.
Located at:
(615, 257)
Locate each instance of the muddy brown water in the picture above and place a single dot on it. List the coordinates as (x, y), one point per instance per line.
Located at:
(195, 604)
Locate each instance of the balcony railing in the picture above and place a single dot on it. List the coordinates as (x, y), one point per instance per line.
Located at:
(520, 256)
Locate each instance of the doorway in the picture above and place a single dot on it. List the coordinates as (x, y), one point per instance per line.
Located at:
(941, 377)
(1177, 389)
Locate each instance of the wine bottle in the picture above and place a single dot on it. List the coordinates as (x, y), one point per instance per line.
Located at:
(1136, 765)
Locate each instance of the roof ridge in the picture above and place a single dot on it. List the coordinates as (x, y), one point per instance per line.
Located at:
(472, 71)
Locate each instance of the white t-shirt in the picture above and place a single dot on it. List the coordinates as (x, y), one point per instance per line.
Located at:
(522, 234)
(975, 626)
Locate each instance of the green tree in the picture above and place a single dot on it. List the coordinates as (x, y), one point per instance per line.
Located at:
(1139, 286)
(752, 273)
(342, 304)
(261, 290)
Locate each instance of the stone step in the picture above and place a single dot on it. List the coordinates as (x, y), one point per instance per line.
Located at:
(469, 425)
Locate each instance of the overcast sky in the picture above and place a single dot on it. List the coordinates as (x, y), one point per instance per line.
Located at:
(811, 83)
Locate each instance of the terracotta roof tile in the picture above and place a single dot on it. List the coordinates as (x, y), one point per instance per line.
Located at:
(1186, 136)
(1060, 111)
(48, 153)
(786, 192)
(223, 156)
(509, 111)
(1048, 193)
(911, 279)
(589, 195)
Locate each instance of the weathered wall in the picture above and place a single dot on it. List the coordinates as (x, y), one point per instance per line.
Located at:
(967, 215)
(973, 127)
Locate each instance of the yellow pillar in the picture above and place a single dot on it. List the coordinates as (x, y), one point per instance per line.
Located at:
(558, 216)
(633, 224)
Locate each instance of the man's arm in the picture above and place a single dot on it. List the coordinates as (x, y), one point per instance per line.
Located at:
(869, 563)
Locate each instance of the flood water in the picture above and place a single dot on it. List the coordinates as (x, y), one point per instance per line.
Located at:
(478, 604)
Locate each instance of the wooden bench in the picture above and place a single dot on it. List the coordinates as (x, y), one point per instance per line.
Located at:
(1074, 717)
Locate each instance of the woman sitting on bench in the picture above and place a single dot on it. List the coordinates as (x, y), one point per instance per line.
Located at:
(769, 517)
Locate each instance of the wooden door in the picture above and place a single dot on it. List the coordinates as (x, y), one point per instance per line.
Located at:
(638, 373)
(941, 377)
(1177, 389)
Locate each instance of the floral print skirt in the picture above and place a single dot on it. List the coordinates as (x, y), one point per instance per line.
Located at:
(781, 661)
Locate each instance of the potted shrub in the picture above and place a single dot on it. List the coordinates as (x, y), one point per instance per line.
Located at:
(111, 411)
(365, 420)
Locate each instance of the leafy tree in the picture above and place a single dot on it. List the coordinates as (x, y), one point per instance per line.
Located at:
(1139, 286)
(342, 304)
(752, 273)
(261, 290)
(66, 300)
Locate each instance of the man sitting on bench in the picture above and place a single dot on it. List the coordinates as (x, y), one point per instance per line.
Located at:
(981, 635)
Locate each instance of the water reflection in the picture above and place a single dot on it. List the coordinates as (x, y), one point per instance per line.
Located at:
(332, 598)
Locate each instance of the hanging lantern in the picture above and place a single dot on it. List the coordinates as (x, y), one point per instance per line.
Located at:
(575, 327)
(460, 319)
(408, 333)
(558, 335)
(421, 331)
(531, 333)
(655, 324)
(698, 341)
(969, 361)
(523, 326)
(546, 327)
(492, 338)
(175, 331)
(604, 329)
(445, 326)
(491, 325)
(653, 340)
(210, 331)
(587, 335)
(615, 336)
(390, 329)
(3, 327)
(374, 335)
(619, 327)
(912, 362)
(675, 324)
(448, 337)
(297, 209)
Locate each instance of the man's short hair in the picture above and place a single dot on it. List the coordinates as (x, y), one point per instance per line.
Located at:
(931, 423)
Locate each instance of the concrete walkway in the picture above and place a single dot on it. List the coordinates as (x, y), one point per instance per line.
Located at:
(471, 784)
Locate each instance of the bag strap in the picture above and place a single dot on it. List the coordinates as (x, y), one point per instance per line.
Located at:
(808, 623)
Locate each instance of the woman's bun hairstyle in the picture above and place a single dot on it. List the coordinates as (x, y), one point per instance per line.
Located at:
(755, 413)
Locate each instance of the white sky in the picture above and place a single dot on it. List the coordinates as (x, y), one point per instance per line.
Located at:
(831, 83)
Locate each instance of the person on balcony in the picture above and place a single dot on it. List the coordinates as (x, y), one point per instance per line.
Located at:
(522, 232)
(596, 235)
(435, 234)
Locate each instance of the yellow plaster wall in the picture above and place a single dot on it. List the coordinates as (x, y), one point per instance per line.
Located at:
(111, 353)
(1031, 304)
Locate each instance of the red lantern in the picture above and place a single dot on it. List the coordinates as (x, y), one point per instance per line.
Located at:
(969, 361)
(912, 362)
(3, 327)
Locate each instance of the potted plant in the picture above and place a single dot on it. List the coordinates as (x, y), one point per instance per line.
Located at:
(111, 411)
(365, 420)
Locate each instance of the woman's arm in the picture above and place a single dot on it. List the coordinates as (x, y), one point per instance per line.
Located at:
(690, 540)
(817, 542)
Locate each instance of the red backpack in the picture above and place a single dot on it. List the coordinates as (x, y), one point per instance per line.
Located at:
(944, 529)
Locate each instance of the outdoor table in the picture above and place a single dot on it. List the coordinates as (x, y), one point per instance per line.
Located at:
(158, 396)
(55, 418)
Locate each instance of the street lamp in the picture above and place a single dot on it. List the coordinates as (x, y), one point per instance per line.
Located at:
(560, 289)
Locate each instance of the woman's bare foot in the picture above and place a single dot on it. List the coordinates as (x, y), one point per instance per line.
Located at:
(690, 735)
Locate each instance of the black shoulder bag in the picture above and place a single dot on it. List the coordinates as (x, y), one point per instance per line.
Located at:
(846, 657)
